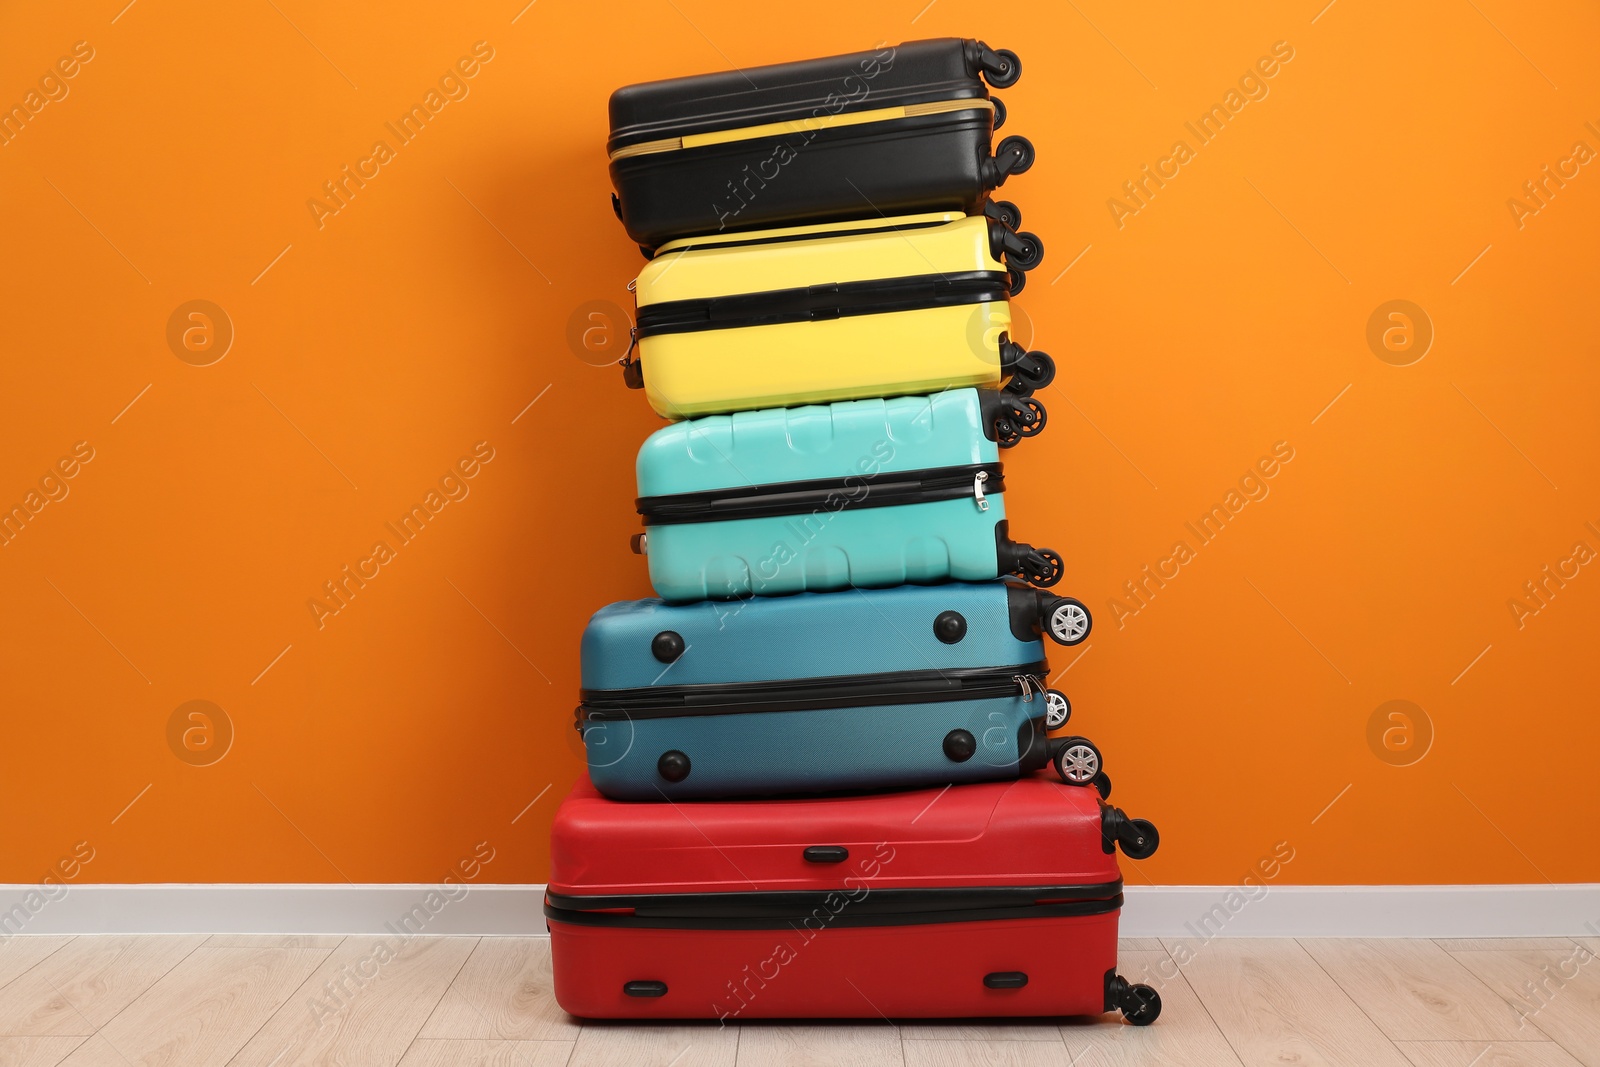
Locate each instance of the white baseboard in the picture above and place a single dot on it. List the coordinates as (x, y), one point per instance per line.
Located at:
(1193, 912)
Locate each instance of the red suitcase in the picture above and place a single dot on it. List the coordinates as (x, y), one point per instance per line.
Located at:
(989, 899)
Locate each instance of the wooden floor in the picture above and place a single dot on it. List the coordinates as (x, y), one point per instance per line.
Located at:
(266, 1002)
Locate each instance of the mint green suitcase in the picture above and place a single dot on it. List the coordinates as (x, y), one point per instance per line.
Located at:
(862, 493)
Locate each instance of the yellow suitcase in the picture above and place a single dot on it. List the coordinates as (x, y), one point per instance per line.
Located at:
(838, 311)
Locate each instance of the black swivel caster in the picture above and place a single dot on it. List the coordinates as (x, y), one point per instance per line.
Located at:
(1102, 785)
(1017, 152)
(999, 115)
(1030, 371)
(1140, 1004)
(1029, 252)
(1138, 837)
(1004, 212)
(1001, 67)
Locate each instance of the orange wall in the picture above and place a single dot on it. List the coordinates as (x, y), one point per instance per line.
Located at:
(389, 339)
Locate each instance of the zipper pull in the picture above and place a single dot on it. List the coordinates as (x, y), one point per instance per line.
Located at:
(1026, 682)
(977, 490)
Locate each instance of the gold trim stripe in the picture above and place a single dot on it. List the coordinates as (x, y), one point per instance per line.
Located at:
(822, 122)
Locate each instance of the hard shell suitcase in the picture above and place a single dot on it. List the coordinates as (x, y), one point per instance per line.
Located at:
(893, 131)
(858, 493)
(865, 689)
(839, 311)
(993, 899)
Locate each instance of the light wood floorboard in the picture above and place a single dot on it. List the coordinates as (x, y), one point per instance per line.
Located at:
(626, 1045)
(475, 1052)
(1275, 1005)
(19, 954)
(504, 992)
(82, 986)
(1416, 991)
(361, 1004)
(984, 1054)
(36, 1051)
(202, 1011)
(837, 1045)
(1557, 989)
(1487, 1054)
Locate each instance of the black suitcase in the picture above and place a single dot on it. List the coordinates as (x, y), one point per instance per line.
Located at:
(892, 132)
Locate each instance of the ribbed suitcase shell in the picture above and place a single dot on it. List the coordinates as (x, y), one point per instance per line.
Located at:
(796, 157)
(848, 542)
(867, 745)
(1034, 832)
(819, 360)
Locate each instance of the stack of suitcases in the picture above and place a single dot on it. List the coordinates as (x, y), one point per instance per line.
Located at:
(820, 765)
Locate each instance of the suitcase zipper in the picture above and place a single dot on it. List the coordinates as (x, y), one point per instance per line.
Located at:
(880, 907)
(812, 694)
(778, 499)
(832, 300)
(808, 125)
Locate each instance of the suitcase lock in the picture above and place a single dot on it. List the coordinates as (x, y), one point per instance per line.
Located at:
(978, 481)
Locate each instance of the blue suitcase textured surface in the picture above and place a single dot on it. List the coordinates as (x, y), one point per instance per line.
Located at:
(867, 689)
(862, 493)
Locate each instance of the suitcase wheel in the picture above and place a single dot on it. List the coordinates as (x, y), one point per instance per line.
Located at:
(999, 113)
(1142, 840)
(1057, 709)
(1031, 417)
(1077, 761)
(1050, 573)
(1001, 68)
(1004, 212)
(1140, 1004)
(1039, 566)
(1030, 371)
(1138, 837)
(1102, 785)
(1019, 281)
(1015, 154)
(1067, 621)
(1029, 253)
(1023, 251)
(1016, 419)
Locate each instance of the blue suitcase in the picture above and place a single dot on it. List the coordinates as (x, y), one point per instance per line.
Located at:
(816, 692)
(857, 493)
